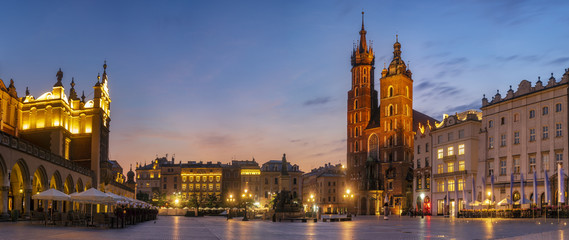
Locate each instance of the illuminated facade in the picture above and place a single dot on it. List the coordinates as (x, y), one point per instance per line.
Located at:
(524, 132)
(239, 176)
(57, 140)
(380, 134)
(201, 180)
(446, 163)
(324, 190)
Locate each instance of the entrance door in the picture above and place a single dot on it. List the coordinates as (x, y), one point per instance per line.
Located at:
(440, 206)
(452, 210)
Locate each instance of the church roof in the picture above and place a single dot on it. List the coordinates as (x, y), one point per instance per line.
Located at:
(419, 117)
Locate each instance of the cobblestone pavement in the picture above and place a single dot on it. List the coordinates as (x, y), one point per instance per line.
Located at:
(363, 227)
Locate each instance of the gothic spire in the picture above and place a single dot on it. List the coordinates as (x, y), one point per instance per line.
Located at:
(105, 72)
(83, 97)
(72, 92)
(363, 42)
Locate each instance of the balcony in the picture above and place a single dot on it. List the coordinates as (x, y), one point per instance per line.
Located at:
(449, 158)
(450, 174)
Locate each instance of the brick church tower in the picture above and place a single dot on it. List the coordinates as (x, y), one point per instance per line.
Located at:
(362, 102)
(396, 88)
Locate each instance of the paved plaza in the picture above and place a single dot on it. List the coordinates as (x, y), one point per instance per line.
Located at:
(364, 227)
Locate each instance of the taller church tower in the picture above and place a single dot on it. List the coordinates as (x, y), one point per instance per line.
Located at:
(362, 102)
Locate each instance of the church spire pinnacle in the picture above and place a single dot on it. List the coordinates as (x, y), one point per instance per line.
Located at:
(363, 41)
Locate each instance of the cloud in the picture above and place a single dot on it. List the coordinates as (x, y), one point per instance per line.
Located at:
(213, 139)
(454, 61)
(528, 58)
(476, 104)
(317, 101)
(560, 60)
(430, 88)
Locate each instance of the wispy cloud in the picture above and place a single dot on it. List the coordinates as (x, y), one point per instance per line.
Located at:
(317, 101)
(560, 60)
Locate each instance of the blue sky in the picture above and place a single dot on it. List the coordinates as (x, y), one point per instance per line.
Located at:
(217, 80)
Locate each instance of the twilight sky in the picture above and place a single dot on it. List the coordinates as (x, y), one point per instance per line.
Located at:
(217, 80)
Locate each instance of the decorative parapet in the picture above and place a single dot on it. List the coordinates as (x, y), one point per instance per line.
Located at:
(40, 153)
(525, 88)
(450, 158)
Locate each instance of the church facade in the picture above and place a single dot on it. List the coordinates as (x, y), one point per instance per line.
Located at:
(380, 131)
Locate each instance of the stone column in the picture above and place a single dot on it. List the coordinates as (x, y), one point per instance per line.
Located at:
(367, 205)
(27, 200)
(4, 197)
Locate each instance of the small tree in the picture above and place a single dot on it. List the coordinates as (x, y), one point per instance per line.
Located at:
(212, 201)
(194, 202)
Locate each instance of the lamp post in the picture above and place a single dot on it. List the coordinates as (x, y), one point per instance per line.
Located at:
(230, 200)
(489, 202)
(245, 198)
(422, 202)
(313, 207)
(348, 196)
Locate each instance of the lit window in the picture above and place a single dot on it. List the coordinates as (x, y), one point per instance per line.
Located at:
(191, 187)
(211, 178)
(441, 186)
(217, 187)
(217, 178)
(191, 178)
(450, 167)
(440, 153)
(440, 168)
(461, 166)
(183, 187)
(461, 149)
(450, 185)
(151, 175)
(197, 178)
(460, 184)
(211, 187)
(184, 178)
(450, 151)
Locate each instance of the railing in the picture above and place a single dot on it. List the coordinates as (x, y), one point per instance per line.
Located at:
(449, 158)
(31, 149)
(448, 174)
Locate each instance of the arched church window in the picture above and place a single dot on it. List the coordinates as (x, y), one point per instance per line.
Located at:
(357, 92)
(390, 91)
(373, 146)
(356, 104)
(390, 110)
(407, 91)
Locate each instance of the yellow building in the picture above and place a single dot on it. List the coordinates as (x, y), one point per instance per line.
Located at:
(202, 180)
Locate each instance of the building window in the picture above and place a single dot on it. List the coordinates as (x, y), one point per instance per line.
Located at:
(531, 163)
(461, 166)
(191, 186)
(503, 140)
(419, 185)
(440, 168)
(490, 168)
(428, 182)
(165, 179)
(450, 151)
(558, 107)
(490, 124)
(450, 167)
(183, 187)
(544, 161)
(175, 186)
(198, 178)
(356, 104)
(276, 181)
(545, 132)
(450, 136)
(164, 186)
(544, 111)
(558, 157)
(516, 163)
(558, 130)
(450, 185)
(460, 184)
(532, 134)
(531, 113)
(440, 153)
(184, 178)
(418, 163)
(441, 186)
(426, 147)
(502, 167)
(210, 178)
(418, 149)
(516, 117)
(426, 161)
(217, 187)
(439, 139)
(502, 121)
(491, 142)
(460, 133)
(516, 137)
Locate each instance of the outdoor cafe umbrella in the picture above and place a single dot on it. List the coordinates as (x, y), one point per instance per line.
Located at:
(504, 202)
(92, 196)
(51, 194)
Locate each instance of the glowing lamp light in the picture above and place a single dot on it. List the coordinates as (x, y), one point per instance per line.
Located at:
(348, 191)
(422, 196)
(177, 201)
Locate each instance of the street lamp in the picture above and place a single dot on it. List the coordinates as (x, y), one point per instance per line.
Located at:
(348, 195)
(489, 202)
(422, 201)
(246, 201)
